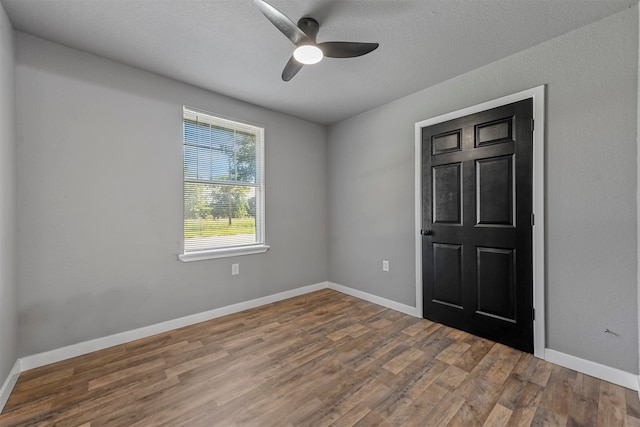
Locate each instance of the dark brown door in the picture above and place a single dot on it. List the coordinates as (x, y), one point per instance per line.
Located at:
(477, 224)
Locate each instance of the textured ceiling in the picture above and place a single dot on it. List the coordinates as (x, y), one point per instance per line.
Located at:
(229, 47)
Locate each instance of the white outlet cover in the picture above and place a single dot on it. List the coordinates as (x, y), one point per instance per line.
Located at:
(235, 269)
(385, 265)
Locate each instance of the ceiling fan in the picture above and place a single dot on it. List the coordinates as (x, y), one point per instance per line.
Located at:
(303, 35)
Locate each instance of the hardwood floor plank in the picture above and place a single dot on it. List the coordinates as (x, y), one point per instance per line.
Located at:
(477, 350)
(522, 417)
(558, 394)
(612, 411)
(452, 377)
(444, 412)
(633, 403)
(632, 421)
(322, 359)
(478, 405)
(507, 359)
(401, 361)
(542, 373)
(225, 415)
(125, 373)
(44, 379)
(584, 405)
(70, 413)
(420, 406)
(517, 393)
(26, 415)
(353, 416)
(453, 352)
(372, 419)
(545, 417)
(430, 371)
(498, 417)
(417, 328)
(186, 366)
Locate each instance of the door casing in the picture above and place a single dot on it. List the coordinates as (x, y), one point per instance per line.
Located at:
(538, 96)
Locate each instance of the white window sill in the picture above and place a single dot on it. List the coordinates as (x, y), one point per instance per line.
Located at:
(223, 253)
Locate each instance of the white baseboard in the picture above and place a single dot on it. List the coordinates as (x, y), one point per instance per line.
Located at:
(52, 356)
(74, 350)
(596, 370)
(603, 372)
(7, 387)
(393, 305)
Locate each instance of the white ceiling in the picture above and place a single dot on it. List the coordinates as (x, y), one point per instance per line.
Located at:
(229, 47)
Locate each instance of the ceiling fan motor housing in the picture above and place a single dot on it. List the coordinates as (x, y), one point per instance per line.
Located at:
(310, 27)
(303, 35)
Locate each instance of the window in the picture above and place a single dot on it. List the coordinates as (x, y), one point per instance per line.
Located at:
(223, 187)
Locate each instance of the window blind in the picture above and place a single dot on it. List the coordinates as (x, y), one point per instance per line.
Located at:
(223, 182)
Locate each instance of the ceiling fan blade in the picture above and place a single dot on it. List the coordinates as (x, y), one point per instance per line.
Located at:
(346, 49)
(291, 69)
(279, 19)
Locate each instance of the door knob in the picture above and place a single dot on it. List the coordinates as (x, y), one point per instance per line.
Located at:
(426, 232)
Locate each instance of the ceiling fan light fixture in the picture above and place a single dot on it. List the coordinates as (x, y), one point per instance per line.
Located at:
(308, 54)
(303, 36)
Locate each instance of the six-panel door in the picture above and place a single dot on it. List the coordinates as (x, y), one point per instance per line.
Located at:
(477, 230)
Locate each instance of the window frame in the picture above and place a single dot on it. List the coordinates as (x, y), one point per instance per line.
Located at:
(238, 250)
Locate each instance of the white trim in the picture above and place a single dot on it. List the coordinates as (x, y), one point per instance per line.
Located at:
(418, 217)
(638, 202)
(9, 383)
(538, 95)
(52, 356)
(74, 350)
(229, 123)
(597, 370)
(606, 373)
(223, 253)
(539, 247)
(393, 305)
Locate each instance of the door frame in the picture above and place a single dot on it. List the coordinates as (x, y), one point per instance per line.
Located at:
(538, 95)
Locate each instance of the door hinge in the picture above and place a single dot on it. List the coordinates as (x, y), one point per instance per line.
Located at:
(533, 125)
(533, 220)
(533, 313)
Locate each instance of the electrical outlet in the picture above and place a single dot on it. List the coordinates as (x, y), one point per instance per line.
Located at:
(235, 269)
(385, 265)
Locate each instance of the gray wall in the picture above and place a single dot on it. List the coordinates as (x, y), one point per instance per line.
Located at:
(99, 194)
(8, 219)
(638, 189)
(100, 200)
(591, 78)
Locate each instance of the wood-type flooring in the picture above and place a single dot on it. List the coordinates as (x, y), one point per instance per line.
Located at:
(320, 359)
